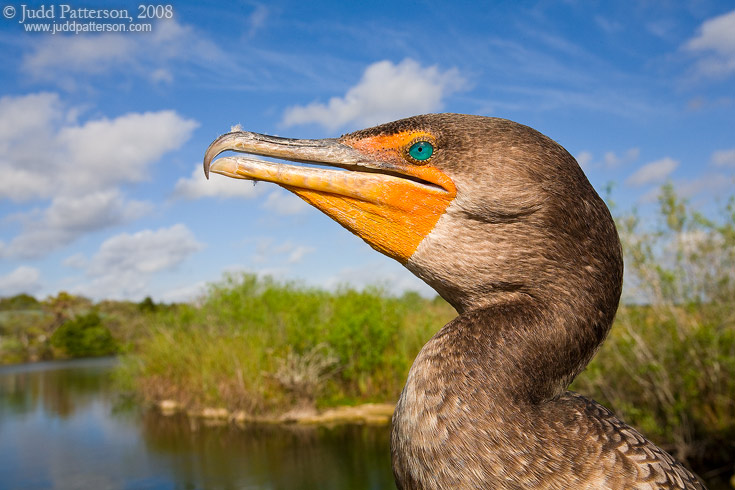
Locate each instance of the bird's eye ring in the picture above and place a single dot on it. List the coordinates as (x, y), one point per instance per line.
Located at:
(421, 150)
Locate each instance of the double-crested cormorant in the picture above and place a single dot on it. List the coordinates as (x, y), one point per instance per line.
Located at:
(501, 221)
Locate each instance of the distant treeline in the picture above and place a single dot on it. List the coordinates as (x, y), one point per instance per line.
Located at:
(68, 326)
(264, 347)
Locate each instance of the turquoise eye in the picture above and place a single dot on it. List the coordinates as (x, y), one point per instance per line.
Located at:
(421, 150)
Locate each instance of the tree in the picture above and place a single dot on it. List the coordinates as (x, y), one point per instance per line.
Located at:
(84, 336)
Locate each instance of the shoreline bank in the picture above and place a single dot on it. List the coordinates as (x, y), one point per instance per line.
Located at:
(366, 413)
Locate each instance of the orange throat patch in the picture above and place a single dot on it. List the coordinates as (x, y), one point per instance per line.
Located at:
(393, 215)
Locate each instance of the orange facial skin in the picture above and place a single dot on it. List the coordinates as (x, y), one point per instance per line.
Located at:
(391, 213)
(395, 216)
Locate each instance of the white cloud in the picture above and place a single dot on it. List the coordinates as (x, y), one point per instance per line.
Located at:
(144, 252)
(662, 28)
(24, 279)
(125, 264)
(607, 25)
(185, 294)
(609, 160)
(716, 39)
(33, 113)
(76, 261)
(197, 186)
(285, 203)
(69, 217)
(612, 160)
(107, 152)
(724, 158)
(257, 20)
(28, 126)
(87, 54)
(385, 92)
(653, 173)
(45, 154)
(395, 278)
(713, 184)
(710, 184)
(162, 75)
(584, 159)
(153, 55)
(297, 254)
(288, 252)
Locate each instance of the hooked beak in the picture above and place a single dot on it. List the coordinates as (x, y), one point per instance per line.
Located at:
(391, 206)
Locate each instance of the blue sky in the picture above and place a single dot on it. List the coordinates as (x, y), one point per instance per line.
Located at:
(102, 135)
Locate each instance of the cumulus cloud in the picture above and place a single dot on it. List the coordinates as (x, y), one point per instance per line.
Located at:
(385, 92)
(28, 129)
(710, 184)
(584, 159)
(125, 263)
(184, 294)
(76, 261)
(62, 58)
(609, 160)
(297, 254)
(653, 173)
(612, 160)
(724, 158)
(67, 218)
(715, 42)
(284, 253)
(144, 252)
(106, 152)
(197, 186)
(23, 279)
(47, 155)
(87, 54)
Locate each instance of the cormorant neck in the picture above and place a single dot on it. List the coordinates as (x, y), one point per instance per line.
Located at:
(531, 345)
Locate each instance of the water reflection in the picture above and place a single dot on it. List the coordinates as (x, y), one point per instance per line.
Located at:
(58, 388)
(62, 426)
(273, 456)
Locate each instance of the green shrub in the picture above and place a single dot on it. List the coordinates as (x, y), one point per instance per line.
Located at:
(84, 336)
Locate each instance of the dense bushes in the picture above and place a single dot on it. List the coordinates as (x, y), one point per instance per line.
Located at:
(258, 345)
(85, 336)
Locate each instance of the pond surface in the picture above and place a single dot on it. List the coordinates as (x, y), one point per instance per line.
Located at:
(63, 426)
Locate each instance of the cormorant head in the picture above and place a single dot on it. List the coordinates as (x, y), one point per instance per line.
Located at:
(482, 209)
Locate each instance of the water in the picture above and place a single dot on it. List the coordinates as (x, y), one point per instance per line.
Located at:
(63, 426)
